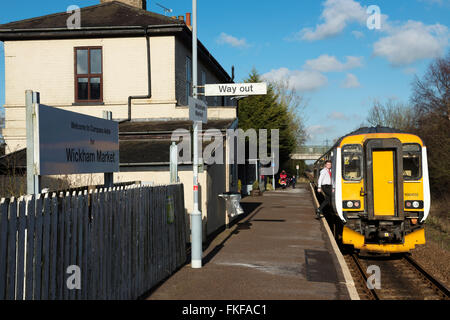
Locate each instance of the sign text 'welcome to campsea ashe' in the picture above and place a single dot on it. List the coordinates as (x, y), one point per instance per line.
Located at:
(70, 143)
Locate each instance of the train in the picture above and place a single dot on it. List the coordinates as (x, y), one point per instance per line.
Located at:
(381, 191)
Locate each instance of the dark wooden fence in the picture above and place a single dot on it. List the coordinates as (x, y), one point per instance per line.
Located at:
(123, 240)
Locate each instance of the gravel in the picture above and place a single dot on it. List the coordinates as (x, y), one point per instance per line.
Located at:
(434, 259)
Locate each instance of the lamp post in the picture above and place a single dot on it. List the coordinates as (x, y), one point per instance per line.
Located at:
(196, 216)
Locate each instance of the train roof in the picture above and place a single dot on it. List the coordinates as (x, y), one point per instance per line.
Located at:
(375, 130)
(366, 130)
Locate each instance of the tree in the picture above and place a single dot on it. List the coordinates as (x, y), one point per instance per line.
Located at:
(431, 99)
(270, 111)
(392, 114)
(295, 105)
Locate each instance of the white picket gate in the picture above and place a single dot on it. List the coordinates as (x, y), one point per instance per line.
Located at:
(124, 240)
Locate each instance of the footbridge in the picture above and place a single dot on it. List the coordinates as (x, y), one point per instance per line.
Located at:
(309, 152)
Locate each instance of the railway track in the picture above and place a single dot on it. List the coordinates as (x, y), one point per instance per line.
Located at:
(401, 278)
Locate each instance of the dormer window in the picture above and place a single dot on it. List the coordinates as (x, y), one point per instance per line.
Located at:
(88, 74)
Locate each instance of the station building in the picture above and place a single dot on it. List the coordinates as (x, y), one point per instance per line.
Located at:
(132, 62)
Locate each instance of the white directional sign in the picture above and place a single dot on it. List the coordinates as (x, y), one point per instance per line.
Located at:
(198, 110)
(236, 89)
(69, 142)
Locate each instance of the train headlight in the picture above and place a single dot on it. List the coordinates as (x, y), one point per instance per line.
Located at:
(351, 204)
(414, 204)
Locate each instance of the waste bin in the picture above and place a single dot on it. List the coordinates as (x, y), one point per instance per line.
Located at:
(232, 200)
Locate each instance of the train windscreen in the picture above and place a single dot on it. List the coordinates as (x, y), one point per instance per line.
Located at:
(411, 161)
(352, 162)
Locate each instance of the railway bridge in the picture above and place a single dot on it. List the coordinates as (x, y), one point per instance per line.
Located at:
(309, 152)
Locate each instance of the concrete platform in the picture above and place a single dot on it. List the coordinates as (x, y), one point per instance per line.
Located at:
(278, 251)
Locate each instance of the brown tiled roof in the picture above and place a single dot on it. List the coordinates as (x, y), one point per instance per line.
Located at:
(143, 142)
(148, 142)
(14, 161)
(169, 126)
(109, 14)
(110, 19)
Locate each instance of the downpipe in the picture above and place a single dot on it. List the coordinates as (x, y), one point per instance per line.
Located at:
(149, 95)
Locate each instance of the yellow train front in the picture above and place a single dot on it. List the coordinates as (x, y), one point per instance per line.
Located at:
(381, 192)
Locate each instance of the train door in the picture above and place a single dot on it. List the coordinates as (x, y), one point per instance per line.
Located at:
(384, 183)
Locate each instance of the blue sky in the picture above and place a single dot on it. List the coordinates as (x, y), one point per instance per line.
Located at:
(324, 48)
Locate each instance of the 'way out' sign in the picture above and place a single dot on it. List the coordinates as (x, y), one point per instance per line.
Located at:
(236, 89)
(69, 142)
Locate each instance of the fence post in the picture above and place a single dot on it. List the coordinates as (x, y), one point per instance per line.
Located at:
(33, 180)
(109, 176)
(173, 163)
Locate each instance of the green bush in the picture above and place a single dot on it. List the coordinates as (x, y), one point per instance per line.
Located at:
(255, 185)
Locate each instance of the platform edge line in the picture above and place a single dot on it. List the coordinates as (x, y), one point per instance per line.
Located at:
(349, 283)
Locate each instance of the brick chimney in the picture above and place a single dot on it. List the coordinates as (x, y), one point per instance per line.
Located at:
(141, 4)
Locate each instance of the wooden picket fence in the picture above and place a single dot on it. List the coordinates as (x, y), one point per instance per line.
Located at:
(124, 240)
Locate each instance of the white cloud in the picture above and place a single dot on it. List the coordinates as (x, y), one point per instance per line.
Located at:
(232, 41)
(326, 63)
(302, 80)
(339, 116)
(335, 115)
(358, 34)
(317, 129)
(351, 81)
(411, 42)
(335, 16)
(317, 133)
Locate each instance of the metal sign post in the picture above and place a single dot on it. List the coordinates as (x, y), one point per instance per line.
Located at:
(196, 215)
(273, 170)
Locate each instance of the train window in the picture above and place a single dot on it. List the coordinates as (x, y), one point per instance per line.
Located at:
(352, 162)
(411, 161)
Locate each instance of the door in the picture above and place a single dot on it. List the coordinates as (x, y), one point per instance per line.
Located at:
(383, 182)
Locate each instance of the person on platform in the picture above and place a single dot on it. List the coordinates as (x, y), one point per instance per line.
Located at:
(325, 183)
(283, 179)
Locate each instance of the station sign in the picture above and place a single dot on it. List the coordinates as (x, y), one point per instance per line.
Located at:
(72, 143)
(236, 89)
(198, 110)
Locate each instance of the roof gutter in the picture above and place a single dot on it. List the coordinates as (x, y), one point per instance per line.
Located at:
(86, 32)
(39, 33)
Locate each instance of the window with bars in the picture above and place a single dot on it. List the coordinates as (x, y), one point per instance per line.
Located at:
(88, 74)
